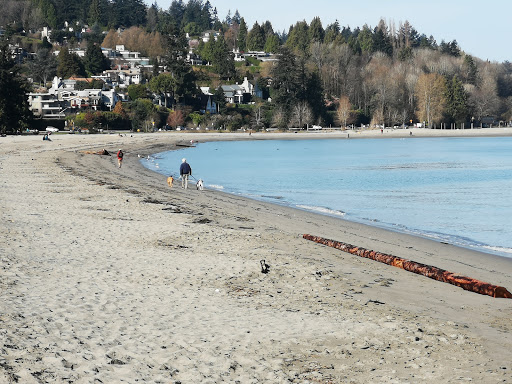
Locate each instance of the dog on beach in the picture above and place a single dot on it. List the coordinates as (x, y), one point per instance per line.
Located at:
(170, 180)
(199, 185)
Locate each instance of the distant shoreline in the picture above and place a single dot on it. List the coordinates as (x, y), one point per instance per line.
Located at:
(350, 134)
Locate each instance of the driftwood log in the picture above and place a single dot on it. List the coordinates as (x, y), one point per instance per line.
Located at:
(103, 152)
(432, 272)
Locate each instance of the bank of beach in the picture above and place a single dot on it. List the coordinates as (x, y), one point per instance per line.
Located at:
(108, 274)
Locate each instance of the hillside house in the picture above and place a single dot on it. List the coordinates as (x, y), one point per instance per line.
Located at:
(207, 102)
(207, 35)
(62, 99)
(236, 93)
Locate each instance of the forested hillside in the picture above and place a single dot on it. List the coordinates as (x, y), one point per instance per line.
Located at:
(383, 75)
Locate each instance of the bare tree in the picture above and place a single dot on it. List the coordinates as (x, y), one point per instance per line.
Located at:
(343, 111)
(378, 79)
(12, 11)
(430, 91)
(484, 98)
(279, 119)
(318, 54)
(257, 116)
(301, 115)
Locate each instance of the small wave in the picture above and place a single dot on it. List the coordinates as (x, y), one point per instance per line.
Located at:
(213, 186)
(322, 210)
(459, 241)
(495, 249)
(273, 197)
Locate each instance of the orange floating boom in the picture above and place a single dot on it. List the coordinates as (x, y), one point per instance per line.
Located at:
(422, 269)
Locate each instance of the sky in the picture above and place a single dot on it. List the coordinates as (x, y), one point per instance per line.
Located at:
(481, 28)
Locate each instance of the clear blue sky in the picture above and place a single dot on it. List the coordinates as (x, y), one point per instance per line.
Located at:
(482, 28)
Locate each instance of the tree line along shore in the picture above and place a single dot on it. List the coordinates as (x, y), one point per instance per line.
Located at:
(383, 76)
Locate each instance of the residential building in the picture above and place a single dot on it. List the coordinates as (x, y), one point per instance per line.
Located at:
(207, 35)
(237, 93)
(62, 99)
(209, 105)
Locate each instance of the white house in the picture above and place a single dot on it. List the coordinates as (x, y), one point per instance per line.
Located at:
(62, 97)
(207, 35)
(46, 105)
(237, 55)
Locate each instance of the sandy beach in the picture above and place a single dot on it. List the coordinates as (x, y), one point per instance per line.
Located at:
(107, 275)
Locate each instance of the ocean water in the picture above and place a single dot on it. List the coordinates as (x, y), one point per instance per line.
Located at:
(454, 190)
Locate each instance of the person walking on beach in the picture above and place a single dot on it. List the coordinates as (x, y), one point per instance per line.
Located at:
(120, 155)
(185, 172)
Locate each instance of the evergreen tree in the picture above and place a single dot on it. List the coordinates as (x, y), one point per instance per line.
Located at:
(220, 100)
(217, 25)
(228, 19)
(332, 32)
(48, 10)
(451, 48)
(164, 85)
(242, 35)
(142, 113)
(95, 36)
(176, 48)
(316, 31)
(470, 70)
(272, 44)
(256, 38)
(456, 101)
(293, 84)
(44, 66)
(127, 13)
(152, 18)
(69, 64)
(46, 44)
(427, 42)
(285, 80)
(268, 30)
(137, 91)
(314, 94)
(205, 50)
(95, 61)
(298, 39)
(207, 18)
(94, 12)
(14, 112)
(176, 11)
(66, 11)
(353, 43)
(382, 42)
(222, 59)
(193, 13)
(236, 17)
(365, 39)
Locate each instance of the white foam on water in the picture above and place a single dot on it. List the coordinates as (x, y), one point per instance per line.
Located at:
(322, 210)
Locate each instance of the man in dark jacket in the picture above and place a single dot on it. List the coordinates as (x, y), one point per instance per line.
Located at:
(185, 172)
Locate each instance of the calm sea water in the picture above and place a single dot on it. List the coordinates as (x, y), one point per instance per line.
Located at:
(456, 190)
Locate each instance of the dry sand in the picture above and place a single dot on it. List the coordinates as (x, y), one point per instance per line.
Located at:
(107, 276)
